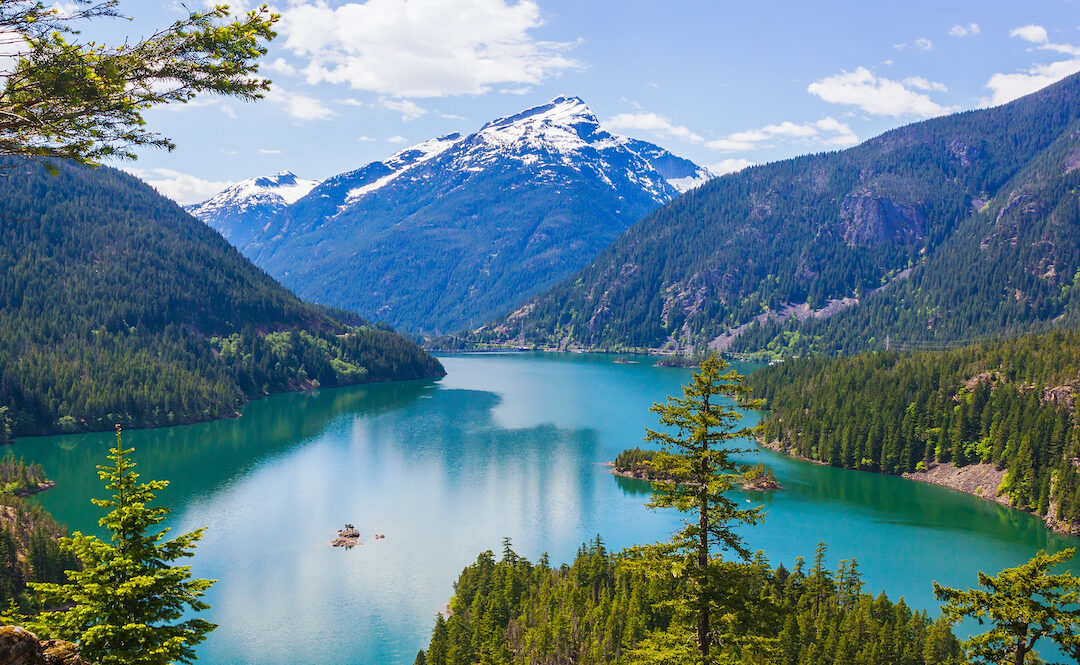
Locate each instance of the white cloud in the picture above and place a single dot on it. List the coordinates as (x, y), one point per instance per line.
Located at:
(1007, 87)
(875, 95)
(300, 106)
(349, 101)
(237, 7)
(183, 188)
(228, 111)
(827, 132)
(522, 90)
(408, 110)
(922, 43)
(965, 30)
(397, 139)
(423, 48)
(452, 116)
(364, 139)
(12, 48)
(279, 66)
(730, 165)
(652, 122)
(269, 151)
(1036, 34)
(66, 9)
(923, 84)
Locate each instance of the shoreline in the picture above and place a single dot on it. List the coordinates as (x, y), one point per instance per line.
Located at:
(41, 487)
(978, 480)
(745, 485)
(239, 413)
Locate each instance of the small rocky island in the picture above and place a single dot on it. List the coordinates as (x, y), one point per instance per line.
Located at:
(635, 463)
(347, 537)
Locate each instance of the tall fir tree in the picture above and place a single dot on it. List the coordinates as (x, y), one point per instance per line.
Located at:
(125, 607)
(697, 461)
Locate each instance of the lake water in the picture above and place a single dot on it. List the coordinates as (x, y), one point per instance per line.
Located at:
(506, 445)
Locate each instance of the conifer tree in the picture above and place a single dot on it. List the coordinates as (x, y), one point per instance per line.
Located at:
(125, 606)
(1024, 604)
(698, 465)
(70, 99)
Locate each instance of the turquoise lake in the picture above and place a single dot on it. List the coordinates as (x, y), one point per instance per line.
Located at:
(506, 445)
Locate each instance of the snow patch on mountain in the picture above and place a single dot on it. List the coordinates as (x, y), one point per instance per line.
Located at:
(686, 183)
(403, 160)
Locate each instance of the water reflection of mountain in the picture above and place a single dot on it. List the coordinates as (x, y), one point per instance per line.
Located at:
(198, 458)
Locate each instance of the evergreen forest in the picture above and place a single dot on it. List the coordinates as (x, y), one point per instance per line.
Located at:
(601, 609)
(1009, 404)
(116, 306)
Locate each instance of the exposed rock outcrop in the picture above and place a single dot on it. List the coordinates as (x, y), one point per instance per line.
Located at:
(347, 537)
(19, 646)
(981, 480)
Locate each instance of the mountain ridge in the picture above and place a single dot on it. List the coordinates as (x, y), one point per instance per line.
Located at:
(461, 227)
(818, 233)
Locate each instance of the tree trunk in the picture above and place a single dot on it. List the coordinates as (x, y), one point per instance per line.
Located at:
(1021, 650)
(703, 565)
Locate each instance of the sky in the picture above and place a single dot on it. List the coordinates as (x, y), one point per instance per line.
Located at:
(726, 84)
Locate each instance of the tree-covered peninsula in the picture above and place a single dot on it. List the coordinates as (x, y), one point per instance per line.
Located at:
(1007, 407)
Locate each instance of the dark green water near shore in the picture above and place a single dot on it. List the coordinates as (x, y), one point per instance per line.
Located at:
(504, 445)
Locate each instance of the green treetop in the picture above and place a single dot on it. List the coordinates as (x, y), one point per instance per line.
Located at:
(69, 99)
(697, 457)
(125, 606)
(1024, 604)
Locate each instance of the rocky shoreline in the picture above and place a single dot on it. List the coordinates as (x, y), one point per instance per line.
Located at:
(978, 480)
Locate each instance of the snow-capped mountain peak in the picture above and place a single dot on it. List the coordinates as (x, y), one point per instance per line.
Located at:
(563, 125)
(457, 229)
(565, 111)
(239, 211)
(284, 187)
(283, 183)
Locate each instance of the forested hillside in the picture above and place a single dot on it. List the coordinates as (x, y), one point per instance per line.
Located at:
(116, 306)
(29, 551)
(957, 226)
(599, 610)
(1010, 404)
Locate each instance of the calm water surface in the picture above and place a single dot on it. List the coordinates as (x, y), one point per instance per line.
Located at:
(504, 445)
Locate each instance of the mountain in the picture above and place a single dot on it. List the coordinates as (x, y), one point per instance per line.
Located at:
(458, 229)
(958, 226)
(240, 211)
(116, 306)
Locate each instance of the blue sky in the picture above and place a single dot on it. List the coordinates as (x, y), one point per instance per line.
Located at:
(723, 83)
